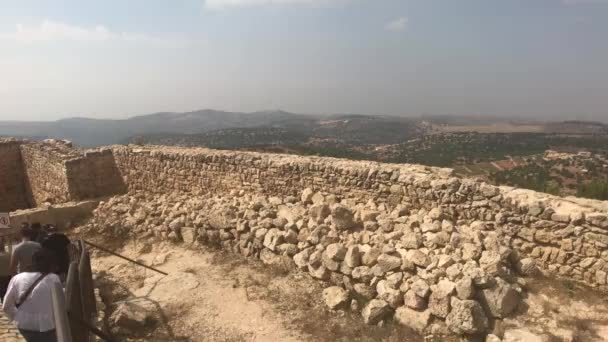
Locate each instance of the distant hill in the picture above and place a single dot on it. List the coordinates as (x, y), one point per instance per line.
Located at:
(291, 130)
(222, 129)
(95, 132)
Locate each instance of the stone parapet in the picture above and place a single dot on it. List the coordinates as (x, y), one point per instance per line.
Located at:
(566, 236)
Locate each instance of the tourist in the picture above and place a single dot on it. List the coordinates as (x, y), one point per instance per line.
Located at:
(21, 260)
(37, 228)
(58, 243)
(28, 299)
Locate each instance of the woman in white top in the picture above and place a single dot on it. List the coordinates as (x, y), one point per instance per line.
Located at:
(28, 299)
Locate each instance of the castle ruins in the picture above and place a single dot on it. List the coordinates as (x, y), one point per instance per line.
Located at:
(437, 252)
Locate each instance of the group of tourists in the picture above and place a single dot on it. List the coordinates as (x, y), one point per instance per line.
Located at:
(37, 263)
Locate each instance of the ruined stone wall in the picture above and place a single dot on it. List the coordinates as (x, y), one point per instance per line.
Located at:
(46, 179)
(12, 180)
(34, 173)
(566, 237)
(94, 175)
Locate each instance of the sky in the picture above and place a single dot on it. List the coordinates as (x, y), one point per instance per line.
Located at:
(538, 59)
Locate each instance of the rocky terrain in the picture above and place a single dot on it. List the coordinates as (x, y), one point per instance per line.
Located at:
(424, 269)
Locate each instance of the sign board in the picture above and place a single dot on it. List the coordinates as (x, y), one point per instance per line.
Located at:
(5, 221)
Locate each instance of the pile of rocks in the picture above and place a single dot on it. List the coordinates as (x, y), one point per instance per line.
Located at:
(432, 272)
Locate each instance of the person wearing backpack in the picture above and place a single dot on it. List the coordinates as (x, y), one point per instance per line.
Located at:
(28, 299)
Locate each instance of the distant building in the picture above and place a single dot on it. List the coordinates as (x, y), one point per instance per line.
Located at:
(554, 155)
(584, 154)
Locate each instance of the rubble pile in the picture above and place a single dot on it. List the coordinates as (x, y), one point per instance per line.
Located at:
(426, 269)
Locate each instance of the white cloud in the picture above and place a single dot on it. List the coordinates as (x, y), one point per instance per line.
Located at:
(224, 4)
(52, 31)
(397, 25)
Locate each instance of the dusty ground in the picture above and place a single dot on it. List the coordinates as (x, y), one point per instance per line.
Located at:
(215, 296)
(210, 295)
(560, 310)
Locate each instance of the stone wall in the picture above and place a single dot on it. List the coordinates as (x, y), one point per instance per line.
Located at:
(12, 180)
(35, 173)
(94, 175)
(46, 179)
(566, 236)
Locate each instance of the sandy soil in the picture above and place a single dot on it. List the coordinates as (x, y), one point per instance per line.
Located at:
(216, 296)
(210, 295)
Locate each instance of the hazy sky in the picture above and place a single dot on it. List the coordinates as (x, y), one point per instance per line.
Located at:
(117, 58)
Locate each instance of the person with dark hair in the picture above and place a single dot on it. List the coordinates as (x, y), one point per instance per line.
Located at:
(58, 244)
(21, 260)
(37, 229)
(28, 299)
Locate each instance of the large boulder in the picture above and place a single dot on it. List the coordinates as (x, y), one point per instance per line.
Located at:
(292, 213)
(134, 316)
(273, 238)
(526, 267)
(466, 317)
(319, 212)
(418, 258)
(501, 299)
(335, 251)
(188, 234)
(352, 258)
(335, 297)
(413, 301)
(375, 311)
(307, 196)
(417, 320)
(342, 217)
(439, 301)
(421, 288)
(392, 296)
(388, 263)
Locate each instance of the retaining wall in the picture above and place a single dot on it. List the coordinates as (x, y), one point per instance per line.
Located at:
(35, 173)
(566, 236)
(12, 181)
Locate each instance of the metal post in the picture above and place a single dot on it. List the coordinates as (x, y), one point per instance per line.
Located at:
(60, 314)
(124, 257)
(74, 303)
(89, 308)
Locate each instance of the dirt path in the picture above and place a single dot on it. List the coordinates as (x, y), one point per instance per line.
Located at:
(211, 295)
(197, 300)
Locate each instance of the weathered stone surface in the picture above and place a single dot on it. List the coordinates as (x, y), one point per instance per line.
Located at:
(439, 301)
(352, 257)
(413, 301)
(370, 257)
(188, 235)
(421, 288)
(335, 297)
(335, 251)
(432, 225)
(417, 320)
(388, 263)
(306, 197)
(392, 296)
(466, 317)
(465, 288)
(418, 258)
(501, 299)
(365, 291)
(133, 316)
(526, 267)
(375, 311)
(342, 217)
(319, 212)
